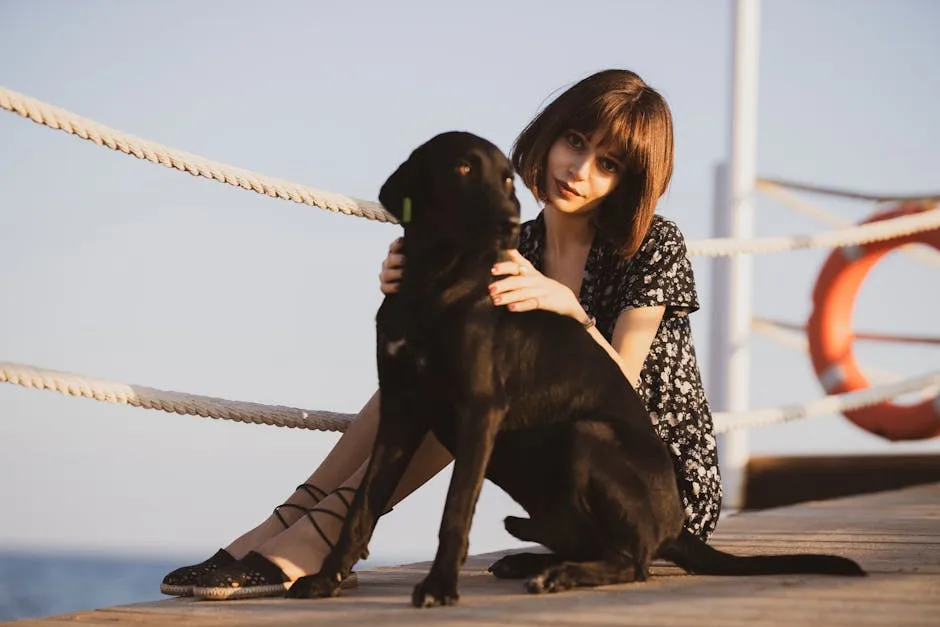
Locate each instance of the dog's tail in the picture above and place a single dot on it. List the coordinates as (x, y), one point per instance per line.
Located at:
(695, 556)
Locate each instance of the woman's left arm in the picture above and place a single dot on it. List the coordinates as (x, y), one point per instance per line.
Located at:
(633, 335)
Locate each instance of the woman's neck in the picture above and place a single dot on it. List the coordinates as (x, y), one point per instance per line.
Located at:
(568, 241)
(566, 233)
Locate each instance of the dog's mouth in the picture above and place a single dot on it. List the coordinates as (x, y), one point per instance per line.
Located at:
(510, 232)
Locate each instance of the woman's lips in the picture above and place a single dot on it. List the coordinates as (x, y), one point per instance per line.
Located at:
(565, 190)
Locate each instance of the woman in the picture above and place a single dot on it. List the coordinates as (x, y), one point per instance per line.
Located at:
(597, 158)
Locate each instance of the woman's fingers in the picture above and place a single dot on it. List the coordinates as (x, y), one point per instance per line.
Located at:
(518, 265)
(511, 268)
(393, 260)
(516, 256)
(389, 281)
(515, 296)
(510, 283)
(525, 305)
(392, 268)
(523, 265)
(504, 268)
(392, 275)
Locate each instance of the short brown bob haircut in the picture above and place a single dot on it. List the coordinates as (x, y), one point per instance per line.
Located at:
(634, 119)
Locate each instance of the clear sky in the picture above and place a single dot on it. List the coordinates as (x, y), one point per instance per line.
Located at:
(125, 270)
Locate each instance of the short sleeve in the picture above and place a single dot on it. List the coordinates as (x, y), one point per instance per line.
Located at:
(661, 273)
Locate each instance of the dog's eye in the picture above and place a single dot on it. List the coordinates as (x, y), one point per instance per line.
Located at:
(463, 169)
(507, 182)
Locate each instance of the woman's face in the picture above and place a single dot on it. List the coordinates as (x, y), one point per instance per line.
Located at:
(580, 172)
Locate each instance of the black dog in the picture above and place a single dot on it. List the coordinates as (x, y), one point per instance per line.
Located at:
(528, 400)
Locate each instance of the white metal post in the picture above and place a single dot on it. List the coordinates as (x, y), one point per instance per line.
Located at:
(733, 277)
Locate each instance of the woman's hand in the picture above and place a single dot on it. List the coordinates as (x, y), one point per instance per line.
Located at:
(525, 289)
(392, 268)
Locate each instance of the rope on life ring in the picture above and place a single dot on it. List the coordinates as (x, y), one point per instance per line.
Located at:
(830, 333)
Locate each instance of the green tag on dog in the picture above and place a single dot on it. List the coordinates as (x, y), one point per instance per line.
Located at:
(406, 210)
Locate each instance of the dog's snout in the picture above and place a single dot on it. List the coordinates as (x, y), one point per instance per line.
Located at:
(511, 231)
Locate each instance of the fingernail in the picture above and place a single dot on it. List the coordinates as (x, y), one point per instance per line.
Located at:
(493, 270)
(497, 299)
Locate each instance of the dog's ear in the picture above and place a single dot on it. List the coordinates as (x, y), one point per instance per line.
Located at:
(400, 192)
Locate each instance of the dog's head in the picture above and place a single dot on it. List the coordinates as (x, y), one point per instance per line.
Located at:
(456, 187)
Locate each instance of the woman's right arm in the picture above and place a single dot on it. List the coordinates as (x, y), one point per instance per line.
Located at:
(392, 268)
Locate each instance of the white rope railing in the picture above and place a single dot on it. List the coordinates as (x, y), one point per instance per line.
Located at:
(792, 339)
(852, 236)
(859, 335)
(63, 120)
(834, 403)
(57, 118)
(794, 336)
(845, 193)
(280, 416)
(172, 402)
(786, 197)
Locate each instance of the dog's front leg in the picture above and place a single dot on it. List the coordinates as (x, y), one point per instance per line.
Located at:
(398, 437)
(476, 433)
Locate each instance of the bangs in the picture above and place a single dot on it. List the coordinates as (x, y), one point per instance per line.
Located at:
(625, 127)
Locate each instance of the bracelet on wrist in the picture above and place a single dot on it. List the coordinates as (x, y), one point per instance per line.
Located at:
(590, 322)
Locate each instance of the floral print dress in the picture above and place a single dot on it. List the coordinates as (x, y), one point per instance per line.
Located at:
(659, 274)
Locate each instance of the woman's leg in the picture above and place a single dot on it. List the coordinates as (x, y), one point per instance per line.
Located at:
(346, 456)
(300, 549)
(343, 466)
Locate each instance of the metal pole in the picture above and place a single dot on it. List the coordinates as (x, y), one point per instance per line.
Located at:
(733, 277)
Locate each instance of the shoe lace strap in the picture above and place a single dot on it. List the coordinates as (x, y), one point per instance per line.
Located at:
(280, 517)
(339, 494)
(316, 525)
(314, 492)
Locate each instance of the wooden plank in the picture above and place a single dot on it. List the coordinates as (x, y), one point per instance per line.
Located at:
(895, 535)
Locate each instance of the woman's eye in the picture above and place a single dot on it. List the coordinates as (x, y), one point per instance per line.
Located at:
(575, 140)
(463, 169)
(609, 165)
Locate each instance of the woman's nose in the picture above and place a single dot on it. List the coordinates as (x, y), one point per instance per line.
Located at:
(580, 168)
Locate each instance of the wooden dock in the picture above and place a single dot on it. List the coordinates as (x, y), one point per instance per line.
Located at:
(894, 535)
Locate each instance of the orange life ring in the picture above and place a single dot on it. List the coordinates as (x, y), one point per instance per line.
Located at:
(830, 334)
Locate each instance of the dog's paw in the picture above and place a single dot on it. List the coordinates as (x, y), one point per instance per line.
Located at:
(314, 587)
(504, 569)
(523, 565)
(517, 566)
(435, 591)
(552, 580)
